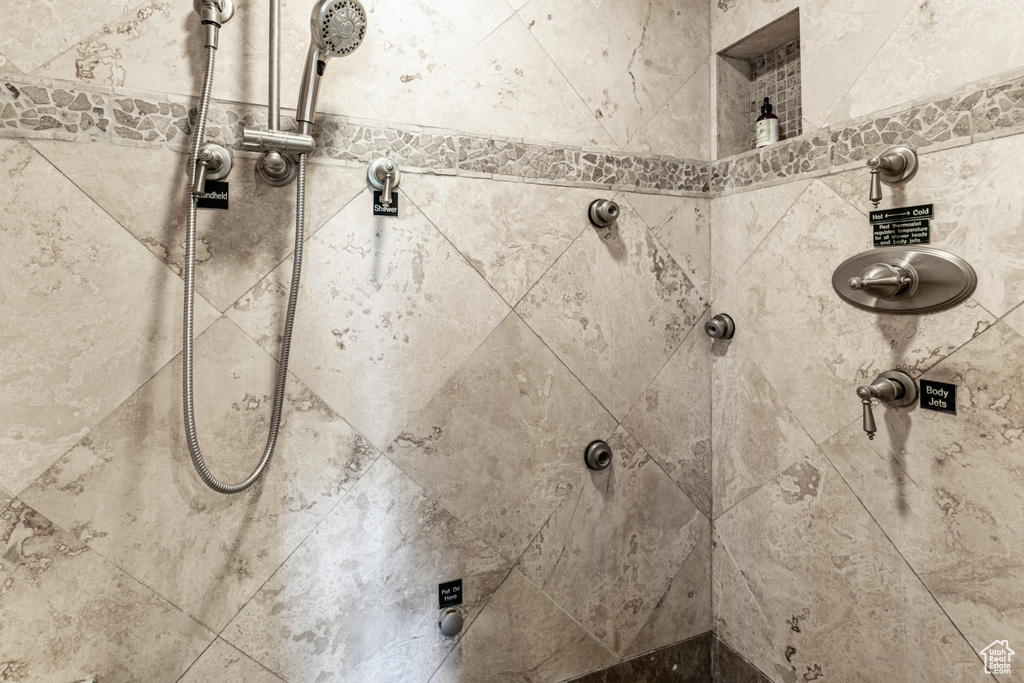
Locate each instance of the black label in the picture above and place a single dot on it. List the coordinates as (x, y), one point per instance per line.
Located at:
(449, 594)
(938, 396)
(903, 213)
(215, 197)
(901, 233)
(381, 210)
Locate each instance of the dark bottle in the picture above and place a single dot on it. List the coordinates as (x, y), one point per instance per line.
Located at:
(766, 128)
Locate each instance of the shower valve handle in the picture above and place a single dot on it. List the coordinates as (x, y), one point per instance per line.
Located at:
(893, 387)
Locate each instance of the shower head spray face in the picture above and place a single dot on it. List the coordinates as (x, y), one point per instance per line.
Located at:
(338, 28)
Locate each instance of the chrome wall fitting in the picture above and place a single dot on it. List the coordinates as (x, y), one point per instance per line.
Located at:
(384, 175)
(904, 280)
(598, 455)
(720, 326)
(212, 163)
(451, 622)
(213, 13)
(894, 165)
(603, 212)
(893, 387)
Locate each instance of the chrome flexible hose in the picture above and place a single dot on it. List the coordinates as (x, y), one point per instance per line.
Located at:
(190, 281)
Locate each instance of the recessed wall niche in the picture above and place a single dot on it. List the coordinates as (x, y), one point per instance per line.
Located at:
(764, 64)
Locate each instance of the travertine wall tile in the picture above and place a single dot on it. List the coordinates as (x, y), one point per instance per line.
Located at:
(68, 613)
(628, 529)
(221, 661)
(205, 552)
(381, 554)
(683, 225)
(522, 636)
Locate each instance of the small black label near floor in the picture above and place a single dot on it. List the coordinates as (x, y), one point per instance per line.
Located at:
(902, 226)
(215, 197)
(938, 396)
(449, 594)
(381, 210)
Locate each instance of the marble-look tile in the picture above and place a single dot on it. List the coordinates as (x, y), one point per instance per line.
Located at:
(221, 662)
(1016, 320)
(388, 311)
(67, 613)
(674, 424)
(522, 637)
(796, 260)
(646, 52)
(734, 20)
(741, 223)
(683, 225)
(234, 248)
(838, 41)
(510, 232)
(585, 309)
(121, 53)
(977, 194)
(206, 552)
(88, 314)
(686, 662)
(808, 587)
(5, 498)
(358, 600)
(507, 85)
(34, 33)
(512, 396)
(754, 436)
(901, 71)
(680, 128)
(946, 489)
(685, 609)
(728, 666)
(627, 529)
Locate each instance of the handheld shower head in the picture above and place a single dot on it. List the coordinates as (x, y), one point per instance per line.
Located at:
(338, 28)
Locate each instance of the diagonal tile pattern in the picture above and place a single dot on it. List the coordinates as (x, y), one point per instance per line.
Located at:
(538, 641)
(144, 190)
(827, 592)
(88, 315)
(205, 552)
(501, 444)
(584, 309)
(683, 225)
(627, 529)
(647, 52)
(67, 613)
(358, 600)
(672, 419)
(822, 229)
(946, 488)
(223, 662)
(510, 232)
(389, 310)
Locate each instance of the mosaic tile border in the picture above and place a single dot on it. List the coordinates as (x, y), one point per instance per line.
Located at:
(37, 108)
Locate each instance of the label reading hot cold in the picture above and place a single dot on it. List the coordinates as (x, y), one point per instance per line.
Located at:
(938, 396)
(921, 212)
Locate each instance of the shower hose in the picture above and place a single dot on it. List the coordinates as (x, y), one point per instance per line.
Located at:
(190, 281)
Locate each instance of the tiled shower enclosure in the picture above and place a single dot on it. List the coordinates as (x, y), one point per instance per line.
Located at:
(450, 365)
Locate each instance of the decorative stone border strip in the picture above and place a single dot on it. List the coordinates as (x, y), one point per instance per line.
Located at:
(74, 111)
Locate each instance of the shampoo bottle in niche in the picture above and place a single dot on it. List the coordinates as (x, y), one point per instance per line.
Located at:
(766, 128)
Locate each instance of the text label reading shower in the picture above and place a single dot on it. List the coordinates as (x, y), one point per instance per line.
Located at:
(938, 396)
(380, 210)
